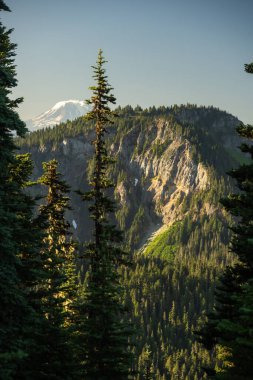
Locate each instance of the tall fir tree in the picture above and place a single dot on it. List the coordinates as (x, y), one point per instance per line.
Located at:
(105, 330)
(31, 274)
(60, 287)
(15, 312)
(230, 326)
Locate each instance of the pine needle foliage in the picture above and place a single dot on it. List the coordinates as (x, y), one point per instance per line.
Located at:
(15, 313)
(59, 290)
(31, 272)
(106, 331)
(230, 326)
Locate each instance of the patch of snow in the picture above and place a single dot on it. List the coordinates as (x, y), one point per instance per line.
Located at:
(64, 102)
(74, 224)
(136, 181)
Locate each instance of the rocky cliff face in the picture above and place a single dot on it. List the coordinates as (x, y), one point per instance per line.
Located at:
(167, 169)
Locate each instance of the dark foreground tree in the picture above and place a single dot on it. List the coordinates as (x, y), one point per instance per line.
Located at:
(106, 331)
(230, 326)
(15, 313)
(31, 273)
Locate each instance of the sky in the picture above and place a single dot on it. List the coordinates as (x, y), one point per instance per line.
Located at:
(159, 52)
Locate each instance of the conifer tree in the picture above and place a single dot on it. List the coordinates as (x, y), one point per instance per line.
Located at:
(59, 289)
(230, 326)
(15, 313)
(31, 271)
(28, 232)
(105, 330)
(145, 364)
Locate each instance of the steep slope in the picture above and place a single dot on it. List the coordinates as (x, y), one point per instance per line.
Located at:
(59, 113)
(169, 175)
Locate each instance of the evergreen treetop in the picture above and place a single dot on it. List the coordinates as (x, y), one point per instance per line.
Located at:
(59, 290)
(15, 312)
(106, 331)
(230, 325)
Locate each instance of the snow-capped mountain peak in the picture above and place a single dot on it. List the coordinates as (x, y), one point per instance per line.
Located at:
(59, 113)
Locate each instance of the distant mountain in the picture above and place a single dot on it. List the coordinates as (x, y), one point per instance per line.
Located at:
(59, 113)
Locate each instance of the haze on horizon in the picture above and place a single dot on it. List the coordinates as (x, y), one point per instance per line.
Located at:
(159, 53)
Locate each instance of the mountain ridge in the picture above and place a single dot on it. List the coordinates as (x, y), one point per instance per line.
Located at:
(168, 150)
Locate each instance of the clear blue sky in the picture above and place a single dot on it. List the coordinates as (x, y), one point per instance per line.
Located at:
(160, 52)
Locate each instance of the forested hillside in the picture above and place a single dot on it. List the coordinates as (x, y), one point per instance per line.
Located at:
(169, 175)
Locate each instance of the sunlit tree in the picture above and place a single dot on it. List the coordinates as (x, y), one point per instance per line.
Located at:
(106, 331)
